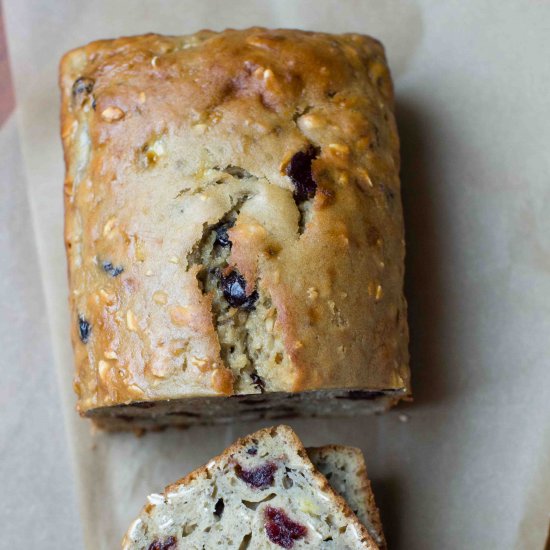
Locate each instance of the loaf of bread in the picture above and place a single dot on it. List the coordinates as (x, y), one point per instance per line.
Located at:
(234, 228)
(261, 493)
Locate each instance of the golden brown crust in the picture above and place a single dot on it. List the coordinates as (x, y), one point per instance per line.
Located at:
(159, 116)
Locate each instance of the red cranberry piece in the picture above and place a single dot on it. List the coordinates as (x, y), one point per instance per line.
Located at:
(234, 291)
(84, 329)
(281, 529)
(112, 270)
(169, 544)
(299, 171)
(82, 89)
(83, 85)
(222, 238)
(260, 477)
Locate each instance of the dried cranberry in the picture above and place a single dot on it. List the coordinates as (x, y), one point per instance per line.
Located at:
(281, 529)
(113, 271)
(169, 544)
(82, 88)
(222, 238)
(299, 171)
(234, 291)
(258, 381)
(260, 477)
(84, 329)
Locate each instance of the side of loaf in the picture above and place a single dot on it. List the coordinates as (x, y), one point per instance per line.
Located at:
(263, 492)
(233, 227)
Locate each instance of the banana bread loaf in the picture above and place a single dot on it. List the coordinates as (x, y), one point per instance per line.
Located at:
(263, 492)
(234, 229)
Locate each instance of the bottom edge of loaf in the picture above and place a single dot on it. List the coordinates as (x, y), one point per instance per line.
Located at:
(187, 412)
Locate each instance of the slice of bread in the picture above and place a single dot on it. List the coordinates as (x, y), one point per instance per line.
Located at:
(263, 492)
(345, 470)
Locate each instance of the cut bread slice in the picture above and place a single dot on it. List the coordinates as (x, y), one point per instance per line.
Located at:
(345, 470)
(263, 492)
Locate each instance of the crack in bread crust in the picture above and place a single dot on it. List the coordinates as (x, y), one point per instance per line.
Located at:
(243, 333)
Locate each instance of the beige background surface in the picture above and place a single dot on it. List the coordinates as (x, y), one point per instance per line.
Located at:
(471, 467)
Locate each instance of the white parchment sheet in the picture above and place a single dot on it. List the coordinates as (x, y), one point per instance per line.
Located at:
(471, 466)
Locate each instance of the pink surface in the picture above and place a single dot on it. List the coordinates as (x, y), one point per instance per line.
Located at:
(7, 100)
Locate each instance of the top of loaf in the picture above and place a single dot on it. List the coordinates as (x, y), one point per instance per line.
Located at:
(151, 126)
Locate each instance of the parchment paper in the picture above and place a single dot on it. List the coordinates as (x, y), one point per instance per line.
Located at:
(38, 508)
(470, 466)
